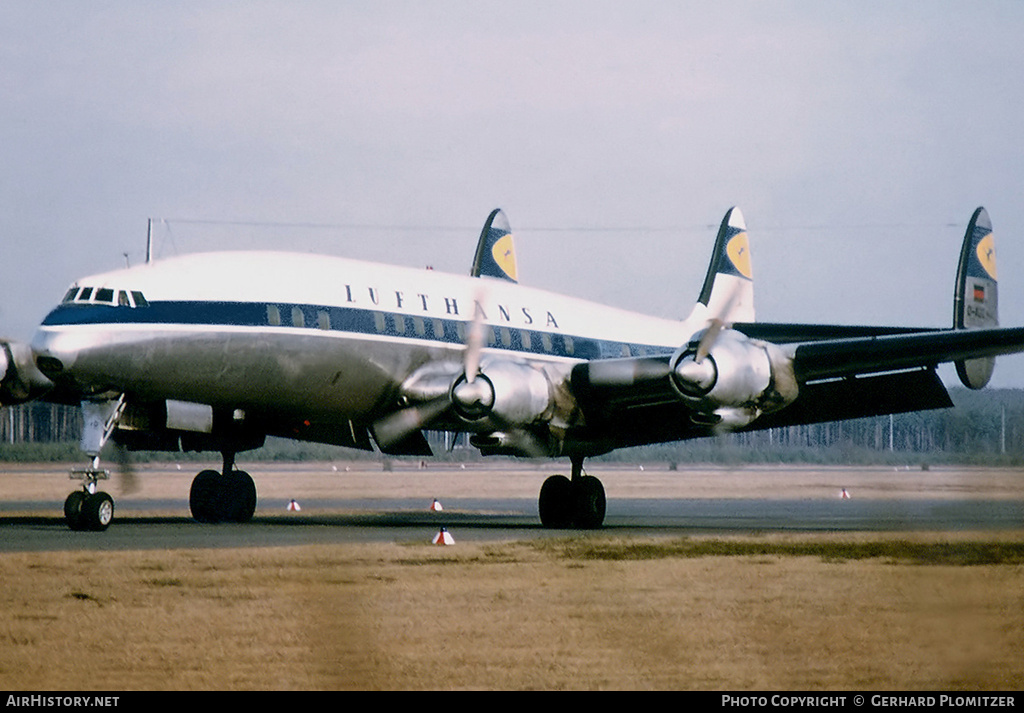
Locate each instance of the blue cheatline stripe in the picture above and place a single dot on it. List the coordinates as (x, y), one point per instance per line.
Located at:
(344, 319)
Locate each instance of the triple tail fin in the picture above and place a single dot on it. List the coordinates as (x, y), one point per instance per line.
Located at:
(728, 291)
(495, 252)
(975, 296)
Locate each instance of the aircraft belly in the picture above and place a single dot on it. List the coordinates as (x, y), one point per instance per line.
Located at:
(345, 377)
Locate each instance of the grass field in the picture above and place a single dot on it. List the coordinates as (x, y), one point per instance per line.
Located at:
(783, 612)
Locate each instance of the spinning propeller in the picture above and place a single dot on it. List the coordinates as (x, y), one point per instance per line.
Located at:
(469, 393)
(500, 400)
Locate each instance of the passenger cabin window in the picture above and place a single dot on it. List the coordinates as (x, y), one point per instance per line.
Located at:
(273, 316)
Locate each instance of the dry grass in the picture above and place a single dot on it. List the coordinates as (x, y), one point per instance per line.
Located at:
(792, 612)
(565, 614)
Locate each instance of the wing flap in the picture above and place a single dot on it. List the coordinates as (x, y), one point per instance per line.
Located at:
(877, 395)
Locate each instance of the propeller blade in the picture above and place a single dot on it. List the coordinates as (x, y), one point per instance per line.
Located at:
(715, 327)
(474, 339)
(719, 321)
(397, 426)
(127, 482)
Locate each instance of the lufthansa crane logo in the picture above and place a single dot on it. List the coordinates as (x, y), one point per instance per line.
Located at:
(986, 252)
(504, 255)
(738, 250)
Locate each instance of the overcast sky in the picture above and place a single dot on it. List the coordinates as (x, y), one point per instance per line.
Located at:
(856, 137)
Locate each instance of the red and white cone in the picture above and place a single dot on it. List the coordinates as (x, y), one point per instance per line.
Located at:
(293, 506)
(443, 537)
(435, 506)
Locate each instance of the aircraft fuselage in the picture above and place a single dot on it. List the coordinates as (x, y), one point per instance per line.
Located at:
(300, 336)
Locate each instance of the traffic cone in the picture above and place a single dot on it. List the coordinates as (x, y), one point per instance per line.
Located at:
(844, 494)
(443, 537)
(435, 506)
(293, 506)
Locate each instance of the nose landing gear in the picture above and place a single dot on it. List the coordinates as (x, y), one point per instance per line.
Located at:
(88, 508)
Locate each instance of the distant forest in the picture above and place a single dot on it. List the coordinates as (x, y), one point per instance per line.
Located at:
(985, 428)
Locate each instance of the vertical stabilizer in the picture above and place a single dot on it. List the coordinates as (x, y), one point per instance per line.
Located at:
(728, 291)
(975, 297)
(495, 252)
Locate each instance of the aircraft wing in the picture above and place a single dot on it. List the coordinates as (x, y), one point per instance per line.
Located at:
(782, 333)
(738, 374)
(863, 355)
(635, 401)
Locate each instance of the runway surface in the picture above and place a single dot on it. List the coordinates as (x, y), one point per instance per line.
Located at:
(735, 501)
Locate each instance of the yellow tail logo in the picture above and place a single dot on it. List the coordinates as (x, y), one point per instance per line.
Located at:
(504, 254)
(738, 251)
(986, 252)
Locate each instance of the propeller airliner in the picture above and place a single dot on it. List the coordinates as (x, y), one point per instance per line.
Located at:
(216, 351)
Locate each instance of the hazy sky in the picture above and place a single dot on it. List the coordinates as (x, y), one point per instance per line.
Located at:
(856, 137)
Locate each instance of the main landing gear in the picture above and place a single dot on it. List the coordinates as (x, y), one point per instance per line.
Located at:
(576, 503)
(228, 496)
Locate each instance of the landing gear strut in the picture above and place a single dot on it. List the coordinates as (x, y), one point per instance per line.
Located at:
(228, 496)
(88, 508)
(579, 502)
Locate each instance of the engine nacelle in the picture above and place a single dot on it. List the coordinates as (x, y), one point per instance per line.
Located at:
(20, 378)
(736, 381)
(506, 393)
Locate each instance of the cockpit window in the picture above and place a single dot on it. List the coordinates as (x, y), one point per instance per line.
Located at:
(105, 296)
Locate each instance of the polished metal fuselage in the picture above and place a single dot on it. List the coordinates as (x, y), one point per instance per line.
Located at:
(286, 337)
